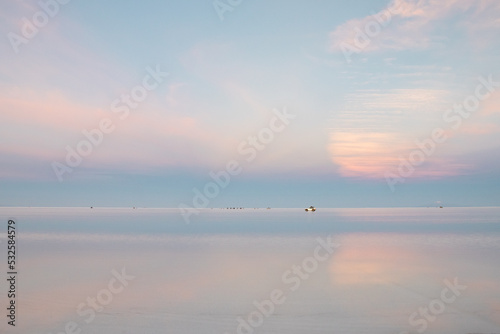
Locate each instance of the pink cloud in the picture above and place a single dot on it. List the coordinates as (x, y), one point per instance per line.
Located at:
(480, 129)
(367, 154)
(379, 127)
(491, 105)
(411, 24)
(39, 126)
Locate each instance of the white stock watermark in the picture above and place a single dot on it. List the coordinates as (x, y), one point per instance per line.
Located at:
(363, 36)
(454, 118)
(104, 297)
(421, 318)
(292, 278)
(120, 106)
(223, 6)
(30, 28)
(248, 149)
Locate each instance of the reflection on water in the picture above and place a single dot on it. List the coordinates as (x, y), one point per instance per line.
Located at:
(203, 277)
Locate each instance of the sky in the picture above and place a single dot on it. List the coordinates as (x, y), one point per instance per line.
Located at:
(250, 103)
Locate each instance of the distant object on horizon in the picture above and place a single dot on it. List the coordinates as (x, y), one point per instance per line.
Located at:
(311, 208)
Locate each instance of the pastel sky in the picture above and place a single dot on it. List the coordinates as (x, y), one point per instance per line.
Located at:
(364, 82)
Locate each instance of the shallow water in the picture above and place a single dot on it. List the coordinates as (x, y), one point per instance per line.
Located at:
(255, 270)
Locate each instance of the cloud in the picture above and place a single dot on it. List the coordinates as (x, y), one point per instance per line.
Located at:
(37, 127)
(480, 129)
(491, 106)
(363, 153)
(412, 24)
(61, 57)
(378, 127)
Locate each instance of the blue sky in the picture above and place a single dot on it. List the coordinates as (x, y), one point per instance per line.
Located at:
(363, 82)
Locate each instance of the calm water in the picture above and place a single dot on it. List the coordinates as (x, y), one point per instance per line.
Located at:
(98, 270)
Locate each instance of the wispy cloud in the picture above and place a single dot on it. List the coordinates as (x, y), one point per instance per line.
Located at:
(377, 127)
(412, 24)
(39, 125)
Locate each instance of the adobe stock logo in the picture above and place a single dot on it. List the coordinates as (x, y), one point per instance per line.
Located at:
(292, 278)
(222, 6)
(95, 137)
(425, 315)
(454, 118)
(249, 149)
(371, 30)
(87, 310)
(40, 19)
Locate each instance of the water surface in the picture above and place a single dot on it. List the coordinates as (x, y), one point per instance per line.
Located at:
(207, 276)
